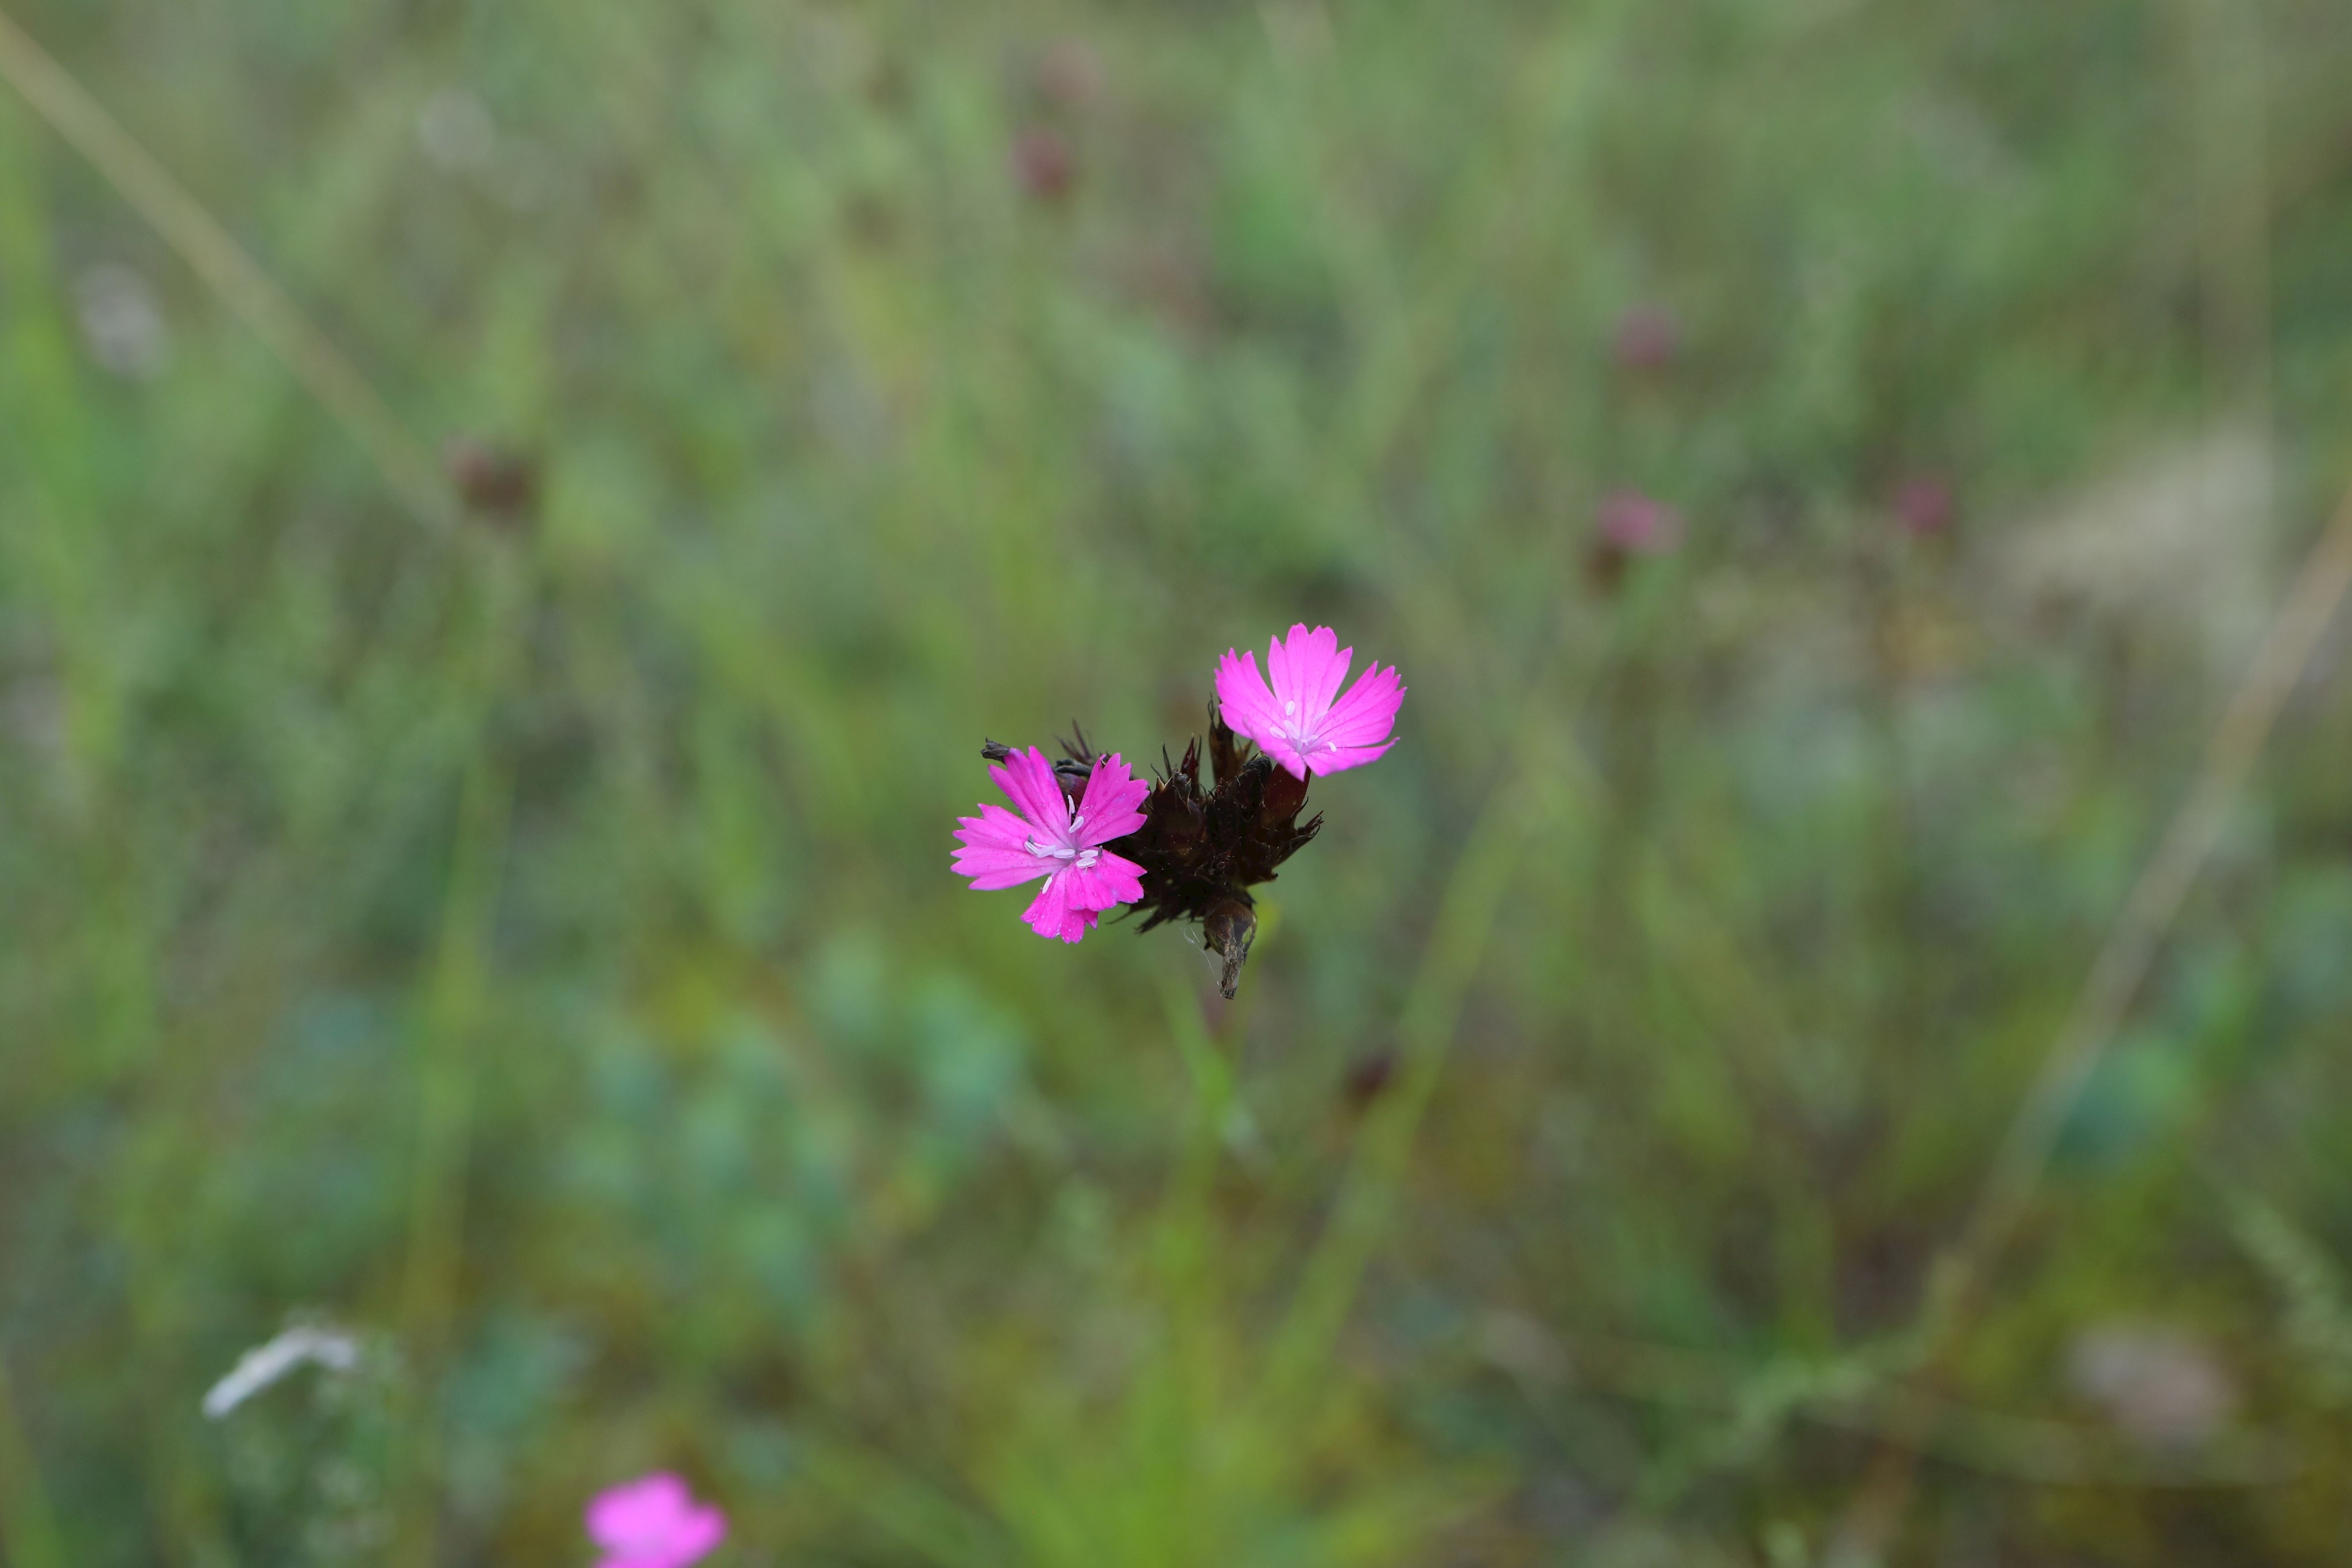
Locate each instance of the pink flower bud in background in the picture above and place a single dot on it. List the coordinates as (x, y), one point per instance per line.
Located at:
(1371, 1077)
(1648, 338)
(497, 484)
(1923, 506)
(653, 1523)
(1638, 525)
(1043, 164)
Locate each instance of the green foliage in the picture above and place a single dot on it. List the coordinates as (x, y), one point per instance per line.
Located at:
(531, 943)
(2318, 1317)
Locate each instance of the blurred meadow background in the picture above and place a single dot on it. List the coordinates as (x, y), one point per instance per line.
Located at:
(488, 679)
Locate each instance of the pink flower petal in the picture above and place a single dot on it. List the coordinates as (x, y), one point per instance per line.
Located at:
(994, 851)
(1111, 881)
(630, 1511)
(1647, 336)
(1247, 706)
(994, 828)
(1923, 506)
(1027, 779)
(697, 1535)
(1317, 665)
(1286, 657)
(1006, 868)
(1345, 758)
(1365, 716)
(1277, 672)
(1327, 681)
(653, 1523)
(1638, 523)
(1049, 912)
(1112, 799)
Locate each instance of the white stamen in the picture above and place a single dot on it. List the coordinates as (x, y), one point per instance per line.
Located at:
(1289, 709)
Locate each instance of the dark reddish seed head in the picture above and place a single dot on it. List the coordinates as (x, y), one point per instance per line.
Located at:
(1044, 166)
(1923, 506)
(1369, 1079)
(1638, 523)
(1648, 338)
(498, 486)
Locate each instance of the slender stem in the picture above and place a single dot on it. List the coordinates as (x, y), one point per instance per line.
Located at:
(27, 1529)
(241, 284)
(1212, 1092)
(1467, 911)
(2233, 192)
(1957, 1290)
(1328, 1285)
(456, 993)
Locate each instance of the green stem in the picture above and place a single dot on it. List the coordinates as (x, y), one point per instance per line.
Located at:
(455, 994)
(27, 1529)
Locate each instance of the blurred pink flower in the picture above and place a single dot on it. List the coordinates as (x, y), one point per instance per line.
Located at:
(1297, 722)
(1636, 524)
(1044, 164)
(1057, 840)
(1648, 338)
(653, 1523)
(1923, 506)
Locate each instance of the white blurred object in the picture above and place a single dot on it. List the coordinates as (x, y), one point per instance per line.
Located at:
(2160, 1386)
(121, 320)
(2179, 541)
(455, 130)
(264, 1364)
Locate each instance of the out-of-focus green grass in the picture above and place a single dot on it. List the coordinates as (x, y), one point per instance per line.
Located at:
(533, 946)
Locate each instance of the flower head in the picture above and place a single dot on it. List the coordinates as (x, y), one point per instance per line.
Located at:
(1923, 506)
(1044, 166)
(653, 1523)
(1648, 338)
(1636, 524)
(1059, 839)
(1298, 723)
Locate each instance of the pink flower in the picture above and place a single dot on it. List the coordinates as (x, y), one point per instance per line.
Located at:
(1637, 525)
(1297, 722)
(1044, 164)
(1057, 840)
(653, 1523)
(1923, 506)
(1648, 336)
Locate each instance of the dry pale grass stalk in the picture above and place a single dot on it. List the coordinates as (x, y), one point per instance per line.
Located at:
(407, 466)
(2122, 964)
